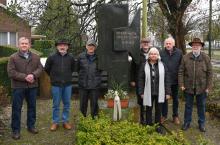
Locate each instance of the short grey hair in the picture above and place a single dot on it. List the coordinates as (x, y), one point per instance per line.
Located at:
(23, 38)
(171, 39)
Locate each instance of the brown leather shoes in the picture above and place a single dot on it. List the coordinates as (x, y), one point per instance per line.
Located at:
(176, 120)
(67, 126)
(54, 127)
(163, 119)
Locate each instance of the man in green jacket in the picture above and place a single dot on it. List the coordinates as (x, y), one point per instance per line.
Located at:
(195, 79)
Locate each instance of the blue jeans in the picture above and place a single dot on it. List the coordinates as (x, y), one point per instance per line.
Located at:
(17, 101)
(174, 94)
(200, 102)
(59, 93)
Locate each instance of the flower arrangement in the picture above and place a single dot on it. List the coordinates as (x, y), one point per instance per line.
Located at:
(119, 88)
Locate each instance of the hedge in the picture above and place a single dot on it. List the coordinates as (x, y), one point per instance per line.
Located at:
(44, 46)
(4, 79)
(102, 131)
(6, 51)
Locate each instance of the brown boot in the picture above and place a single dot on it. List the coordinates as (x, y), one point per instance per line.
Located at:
(67, 126)
(176, 120)
(163, 119)
(54, 127)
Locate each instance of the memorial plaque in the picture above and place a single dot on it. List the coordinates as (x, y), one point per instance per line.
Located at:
(124, 39)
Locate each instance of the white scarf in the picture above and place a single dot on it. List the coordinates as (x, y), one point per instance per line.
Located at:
(147, 87)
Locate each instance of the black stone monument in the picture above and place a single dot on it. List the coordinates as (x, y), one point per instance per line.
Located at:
(116, 40)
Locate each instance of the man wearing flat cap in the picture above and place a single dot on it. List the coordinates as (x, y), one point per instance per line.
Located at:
(60, 66)
(145, 45)
(89, 79)
(195, 79)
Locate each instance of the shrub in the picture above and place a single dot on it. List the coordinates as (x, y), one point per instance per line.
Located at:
(103, 131)
(6, 51)
(4, 99)
(4, 79)
(44, 46)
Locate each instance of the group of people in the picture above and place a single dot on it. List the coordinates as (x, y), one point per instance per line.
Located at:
(24, 69)
(157, 78)
(161, 73)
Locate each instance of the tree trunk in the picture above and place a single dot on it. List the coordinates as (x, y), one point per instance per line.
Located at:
(177, 30)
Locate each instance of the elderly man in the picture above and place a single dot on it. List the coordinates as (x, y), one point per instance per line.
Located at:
(60, 66)
(145, 46)
(195, 79)
(89, 79)
(171, 57)
(24, 69)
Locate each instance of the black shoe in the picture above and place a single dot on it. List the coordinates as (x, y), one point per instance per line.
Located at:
(33, 130)
(159, 130)
(15, 135)
(185, 126)
(202, 128)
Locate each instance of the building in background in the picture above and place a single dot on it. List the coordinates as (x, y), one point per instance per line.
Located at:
(12, 27)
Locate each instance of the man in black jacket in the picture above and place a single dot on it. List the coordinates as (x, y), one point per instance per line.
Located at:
(171, 57)
(59, 66)
(89, 79)
(145, 46)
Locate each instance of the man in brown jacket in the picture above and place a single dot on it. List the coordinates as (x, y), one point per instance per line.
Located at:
(195, 79)
(24, 69)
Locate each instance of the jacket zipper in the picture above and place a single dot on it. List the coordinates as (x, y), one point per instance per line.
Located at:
(194, 73)
(62, 69)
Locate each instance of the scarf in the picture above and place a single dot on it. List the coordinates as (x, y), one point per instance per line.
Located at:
(147, 88)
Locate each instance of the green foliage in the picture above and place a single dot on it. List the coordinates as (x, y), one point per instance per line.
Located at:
(44, 46)
(4, 79)
(102, 131)
(6, 51)
(4, 99)
(116, 87)
(59, 21)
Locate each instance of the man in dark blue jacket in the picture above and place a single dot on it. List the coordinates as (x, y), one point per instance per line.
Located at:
(60, 66)
(171, 56)
(89, 79)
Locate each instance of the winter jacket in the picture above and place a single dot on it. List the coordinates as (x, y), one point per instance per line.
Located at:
(19, 67)
(195, 73)
(154, 81)
(172, 61)
(60, 69)
(89, 74)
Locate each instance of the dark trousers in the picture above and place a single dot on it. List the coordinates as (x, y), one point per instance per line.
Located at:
(142, 111)
(85, 95)
(200, 102)
(18, 96)
(174, 94)
(158, 107)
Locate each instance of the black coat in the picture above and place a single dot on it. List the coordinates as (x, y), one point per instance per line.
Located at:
(60, 69)
(135, 67)
(172, 61)
(89, 74)
(155, 84)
